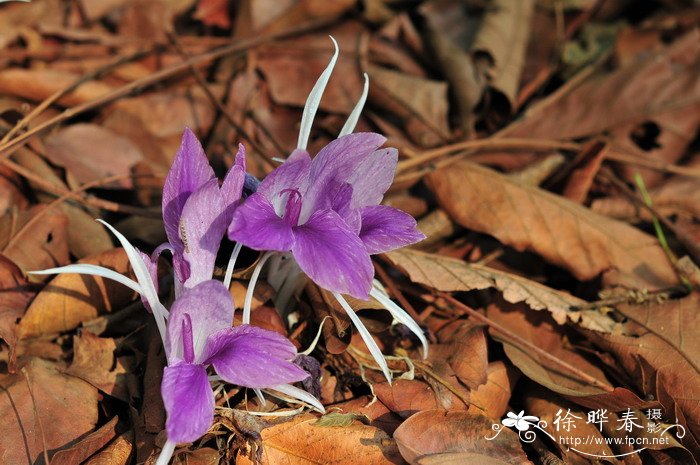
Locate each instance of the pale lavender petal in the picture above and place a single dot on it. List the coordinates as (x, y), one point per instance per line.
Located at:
(256, 225)
(253, 357)
(292, 174)
(386, 228)
(188, 400)
(334, 165)
(372, 177)
(202, 226)
(232, 187)
(333, 256)
(189, 171)
(210, 308)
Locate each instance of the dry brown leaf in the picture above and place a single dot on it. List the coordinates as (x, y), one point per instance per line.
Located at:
(378, 414)
(69, 299)
(407, 397)
(91, 153)
(38, 84)
(664, 359)
(269, 16)
(63, 409)
(301, 442)
(11, 196)
(466, 353)
(449, 274)
(85, 235)
(563, 232)
(42, 244)
(94, 361)
(88, 445)
(14, 298)
(538, 329)
(214, 13)
(117, 453)
(494, 396)
(435, 432)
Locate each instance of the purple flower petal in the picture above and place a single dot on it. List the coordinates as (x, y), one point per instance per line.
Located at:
(256, 225)
(292, 174)
(334, 165)
(373, 177)
(232, 187)
(210, 308)
(189, 171)
(333, 256)
(253, 357)
(188, 400)
(387, 228)
(202, 226)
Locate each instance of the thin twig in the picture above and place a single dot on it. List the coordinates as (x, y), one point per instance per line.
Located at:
(9, 147)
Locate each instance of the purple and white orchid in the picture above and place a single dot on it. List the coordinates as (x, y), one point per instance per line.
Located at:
(324, 213)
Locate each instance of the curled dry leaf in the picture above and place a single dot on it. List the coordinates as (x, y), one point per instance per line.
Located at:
(561, 231)
(449, 274)
(460, 434)
(69, 299)
(91, 153)
(59, 409)
(407, 397)
(301, 442)
(118, 452)
(494, 396)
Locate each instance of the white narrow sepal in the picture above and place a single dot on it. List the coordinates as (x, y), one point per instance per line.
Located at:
(93, 270)
(366, 336)
(401, 316)
(314, 99)
(232, 264)
(144, 279)
(167, 453)
(299, 394)
(251, 287)
(259, 395)
(354, 117)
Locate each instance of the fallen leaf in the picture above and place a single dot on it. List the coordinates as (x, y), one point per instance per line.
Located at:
(436, 432)
(379, 415)
(91, 153)
(494, 396)
(538, 329)
(299, 441)
(69, 299)
(448, 275)
(39, 84)
(466, 353)
(563, 232)
(117, 453)
(14, 298)
(213, 13)
(36, 244)
(59, 410)
(407, 397)
(94, 361)
(88, 445)
(85, 235)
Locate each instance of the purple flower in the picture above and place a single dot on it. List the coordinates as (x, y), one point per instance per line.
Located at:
(196, 211)
(326, 212)
(199, 334)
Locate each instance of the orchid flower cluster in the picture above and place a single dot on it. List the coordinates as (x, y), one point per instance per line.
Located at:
(318, 217)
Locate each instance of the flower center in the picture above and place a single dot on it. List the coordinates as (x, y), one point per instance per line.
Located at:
(293, 208)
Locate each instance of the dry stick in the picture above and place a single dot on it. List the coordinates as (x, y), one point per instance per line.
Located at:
(62, 199)
(92, 201)
(8, 148)
(542, 353)
(212, 98)
(491, 143)
(63, 92)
